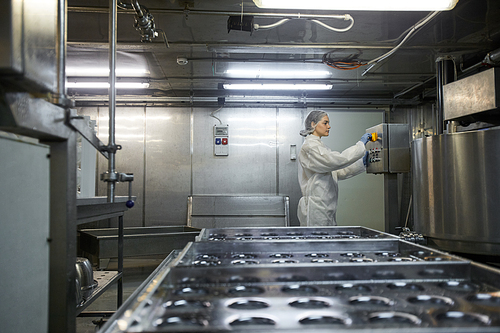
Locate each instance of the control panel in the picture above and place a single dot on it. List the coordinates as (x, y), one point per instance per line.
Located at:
(221, 140)
(390, 151)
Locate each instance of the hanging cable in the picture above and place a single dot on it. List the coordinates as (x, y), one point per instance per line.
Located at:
(212, 115)
(417, 26)
(345, 17)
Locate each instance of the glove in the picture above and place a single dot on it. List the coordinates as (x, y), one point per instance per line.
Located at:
(365, 138)
(366, 161)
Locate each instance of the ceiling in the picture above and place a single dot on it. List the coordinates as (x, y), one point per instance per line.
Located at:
(196, 31)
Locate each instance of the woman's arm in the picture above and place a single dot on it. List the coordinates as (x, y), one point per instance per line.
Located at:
(322, 159)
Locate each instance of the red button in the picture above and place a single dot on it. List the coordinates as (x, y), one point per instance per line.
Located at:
(224, 141)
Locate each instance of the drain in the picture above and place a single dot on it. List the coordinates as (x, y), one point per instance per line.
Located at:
(324, 261)
(284, 261)
(308, 303)
(431, 300)
(400, 259)
(291, 278)
(352, 255)
(217, 237)
(370, 300)
(243, 235)
(245, 304)
(392, 317)
(405, 286)
(244, 262)
(317, 255)
(269, 234)
(207, 257)
(485, 299)
(436, 258)
(191, 291)
(244, 256)
(186, 304)
(361, 260)
(388, 254)
(281, 255)
(206, 263)
(458, 286)
(322, 320)
(245, 291)
(243, 279)
(456, 318)
(354, 287)
(299, 289)
(251, 321)
(187, 320)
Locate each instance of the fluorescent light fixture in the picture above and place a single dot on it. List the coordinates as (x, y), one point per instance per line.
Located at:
(104, 71)
(105, 85)
(380, 5)
(276, 86)
(276, 74)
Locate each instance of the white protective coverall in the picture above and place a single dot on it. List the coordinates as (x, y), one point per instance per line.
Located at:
(320, 169)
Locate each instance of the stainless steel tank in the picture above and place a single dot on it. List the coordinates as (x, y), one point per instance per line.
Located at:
(456, 190)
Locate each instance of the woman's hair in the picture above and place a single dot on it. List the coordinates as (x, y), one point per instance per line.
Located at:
(313, 117)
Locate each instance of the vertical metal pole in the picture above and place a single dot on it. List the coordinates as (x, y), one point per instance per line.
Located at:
(112, 97)
(61, 50)
(445, 74)
(391, 207)
(120, 261)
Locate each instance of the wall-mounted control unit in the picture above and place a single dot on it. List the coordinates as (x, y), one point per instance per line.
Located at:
(221, 140)
(390, 152)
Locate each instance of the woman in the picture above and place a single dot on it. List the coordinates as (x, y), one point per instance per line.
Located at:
(320, 169)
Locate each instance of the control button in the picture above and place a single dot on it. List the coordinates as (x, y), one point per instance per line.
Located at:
(218, 141)
(224, 141)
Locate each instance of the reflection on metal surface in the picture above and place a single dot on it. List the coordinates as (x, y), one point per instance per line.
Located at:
(455, 181)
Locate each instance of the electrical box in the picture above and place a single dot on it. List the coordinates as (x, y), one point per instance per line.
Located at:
(221, 140)
(390, 153)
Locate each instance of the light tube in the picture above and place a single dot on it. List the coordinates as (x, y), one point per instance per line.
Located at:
(249, 73)
(104, 71)
(276, 86)
(105, 85)
(380, 5)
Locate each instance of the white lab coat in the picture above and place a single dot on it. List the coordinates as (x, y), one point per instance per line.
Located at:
(320, 169)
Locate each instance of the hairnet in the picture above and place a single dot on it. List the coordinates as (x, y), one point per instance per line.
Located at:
(313, 117)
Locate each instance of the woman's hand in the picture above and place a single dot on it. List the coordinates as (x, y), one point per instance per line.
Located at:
(365, 138)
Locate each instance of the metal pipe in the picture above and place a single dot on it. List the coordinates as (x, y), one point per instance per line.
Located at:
(112, 99)
(89, 9)
(61, 49)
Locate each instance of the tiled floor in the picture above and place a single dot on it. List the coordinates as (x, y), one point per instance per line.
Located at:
(135, 271)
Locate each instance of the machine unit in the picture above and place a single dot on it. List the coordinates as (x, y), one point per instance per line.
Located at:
(390, 152)
(28, 39)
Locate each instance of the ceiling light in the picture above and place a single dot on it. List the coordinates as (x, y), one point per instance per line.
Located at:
(105, 85)
(380, 5)
(273, 74)
(104, 71)
(276, 86)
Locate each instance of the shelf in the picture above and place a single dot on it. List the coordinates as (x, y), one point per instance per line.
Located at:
(98, 208)
(104, 279)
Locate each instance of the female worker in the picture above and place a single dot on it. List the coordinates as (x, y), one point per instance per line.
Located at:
(320, 169)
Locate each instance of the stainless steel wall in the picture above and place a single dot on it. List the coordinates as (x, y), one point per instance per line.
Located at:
(456, 189)
(170, 152)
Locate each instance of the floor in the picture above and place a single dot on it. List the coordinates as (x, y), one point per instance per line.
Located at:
(135, 271)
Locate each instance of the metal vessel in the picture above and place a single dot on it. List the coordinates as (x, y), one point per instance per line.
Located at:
(456, 190)
(369, 285)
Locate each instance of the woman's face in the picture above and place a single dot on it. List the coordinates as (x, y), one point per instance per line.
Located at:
(323, 127)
